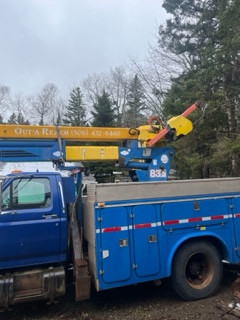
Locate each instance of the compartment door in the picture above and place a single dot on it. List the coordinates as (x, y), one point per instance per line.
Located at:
(115, 249)
(145, 235)
(236, 219)
(195, 213)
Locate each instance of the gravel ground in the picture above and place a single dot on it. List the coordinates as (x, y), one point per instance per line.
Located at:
(140, 302)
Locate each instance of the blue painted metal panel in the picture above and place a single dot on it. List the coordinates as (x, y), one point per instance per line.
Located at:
(236, 219)
(69, 189)
(33, 236)
(190, 214)
(146, 242)
(31, 150)
(148, 164)
(146, 262)
(115, 245)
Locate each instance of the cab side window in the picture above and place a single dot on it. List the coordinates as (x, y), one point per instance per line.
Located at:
(27, 193)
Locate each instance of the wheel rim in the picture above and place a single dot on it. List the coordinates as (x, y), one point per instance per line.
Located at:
(199, 270)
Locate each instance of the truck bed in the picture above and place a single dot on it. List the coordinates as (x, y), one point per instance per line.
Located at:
(146, 190)
(132, 227)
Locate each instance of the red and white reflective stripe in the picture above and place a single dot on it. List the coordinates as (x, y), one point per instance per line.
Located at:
(144, 225)
(147, 225)
(125, 228)
(195, 219)
(113, 229)
(167, 223)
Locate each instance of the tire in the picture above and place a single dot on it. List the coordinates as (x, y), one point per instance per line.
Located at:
(197, 270)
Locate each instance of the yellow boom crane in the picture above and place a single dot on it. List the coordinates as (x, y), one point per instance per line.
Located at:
(143, 150)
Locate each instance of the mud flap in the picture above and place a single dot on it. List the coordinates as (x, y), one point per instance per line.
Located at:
(80, 265)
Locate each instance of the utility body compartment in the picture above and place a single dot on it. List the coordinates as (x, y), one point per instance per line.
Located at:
(133, 230)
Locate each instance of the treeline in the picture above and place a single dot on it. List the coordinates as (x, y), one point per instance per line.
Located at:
(205, 37)
(197, 57)
(118, 98)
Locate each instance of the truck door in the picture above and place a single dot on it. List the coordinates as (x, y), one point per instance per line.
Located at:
(29, 223)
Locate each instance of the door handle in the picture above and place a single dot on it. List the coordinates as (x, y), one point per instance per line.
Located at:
(50, 216)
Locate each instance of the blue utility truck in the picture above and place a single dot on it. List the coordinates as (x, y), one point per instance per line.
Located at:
(116, 234)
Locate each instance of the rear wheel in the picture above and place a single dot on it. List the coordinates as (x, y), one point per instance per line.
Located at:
(197, 270)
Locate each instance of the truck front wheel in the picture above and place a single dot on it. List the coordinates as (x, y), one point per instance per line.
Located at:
(197, 270)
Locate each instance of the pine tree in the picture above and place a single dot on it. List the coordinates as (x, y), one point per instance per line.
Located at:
(21, 120)
(17, 119)
(135, 104)
(76, 111)
(103, 114)
(12, 119)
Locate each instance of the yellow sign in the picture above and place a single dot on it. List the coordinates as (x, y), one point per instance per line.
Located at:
(89, 153)
(67, 133)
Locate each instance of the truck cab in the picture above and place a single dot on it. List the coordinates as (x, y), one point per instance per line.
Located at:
(33, 220)
(34, 235)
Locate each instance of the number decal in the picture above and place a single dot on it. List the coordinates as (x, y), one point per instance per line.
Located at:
(158, 173)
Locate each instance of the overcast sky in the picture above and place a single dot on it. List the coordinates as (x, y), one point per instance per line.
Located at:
(63, 41)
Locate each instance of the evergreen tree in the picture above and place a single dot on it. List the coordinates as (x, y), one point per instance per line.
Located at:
(12, 119)
(76, 111)
(20, 119)
(135, 104)
(103, 114)
(17, 119)
(206, 34)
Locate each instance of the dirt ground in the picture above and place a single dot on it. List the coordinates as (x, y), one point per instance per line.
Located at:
(145, 301)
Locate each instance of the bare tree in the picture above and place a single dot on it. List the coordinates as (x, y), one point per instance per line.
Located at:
(93, 86)
(44, 104)
(20, 106)
(59, 110)
(156, 73)
(4, 99)
(117, 86)
(115, 82)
